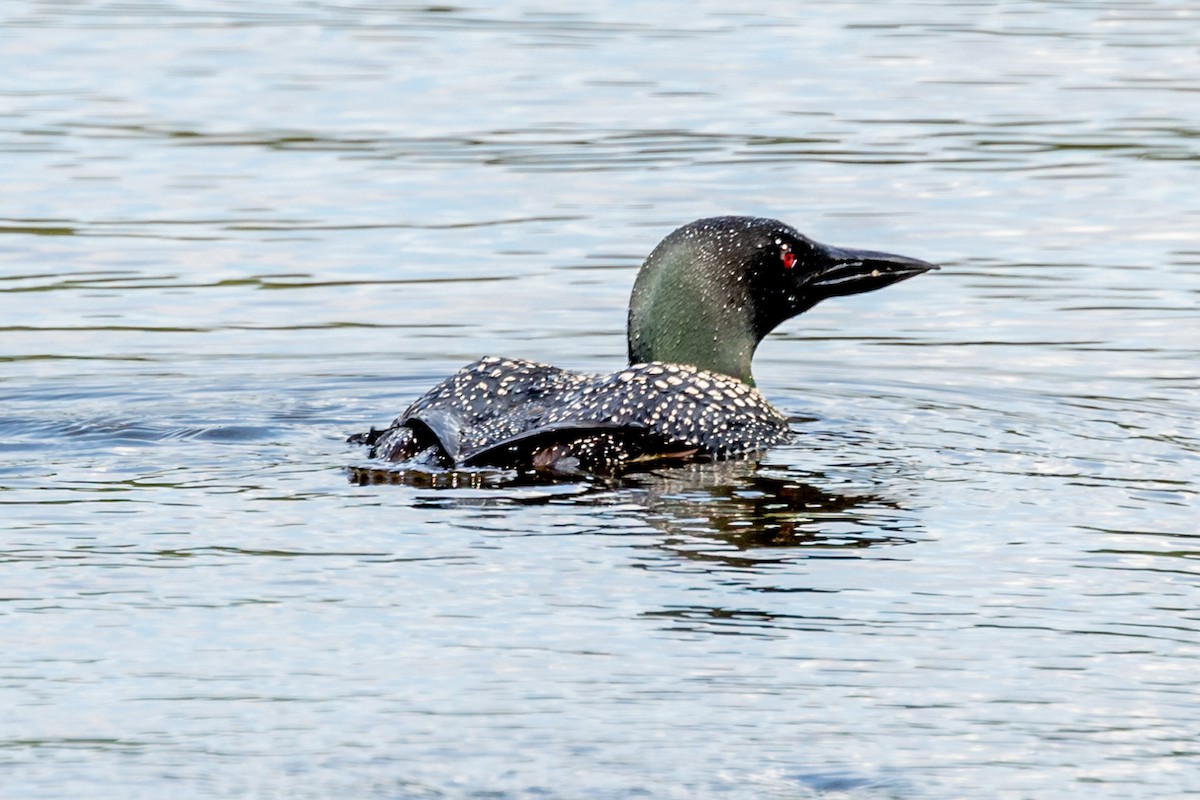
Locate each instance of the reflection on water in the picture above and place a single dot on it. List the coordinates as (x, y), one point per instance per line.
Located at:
(235, 232)
(729, 511)
(746, 510)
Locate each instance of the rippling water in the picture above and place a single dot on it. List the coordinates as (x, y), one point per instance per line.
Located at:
(232, 233)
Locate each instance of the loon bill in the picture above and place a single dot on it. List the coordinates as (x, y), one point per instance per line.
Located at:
(702, 301)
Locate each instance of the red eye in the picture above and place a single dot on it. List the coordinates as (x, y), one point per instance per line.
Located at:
(789, 259)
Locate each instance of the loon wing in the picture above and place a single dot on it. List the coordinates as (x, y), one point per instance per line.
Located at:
(445, 426)
(563, 447)
(532, 439)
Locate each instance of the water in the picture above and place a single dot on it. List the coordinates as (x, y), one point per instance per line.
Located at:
(233, 233)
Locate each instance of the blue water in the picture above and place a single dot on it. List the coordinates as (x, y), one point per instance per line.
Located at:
(233, 233)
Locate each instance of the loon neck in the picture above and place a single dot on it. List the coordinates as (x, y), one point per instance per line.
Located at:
(682, 316)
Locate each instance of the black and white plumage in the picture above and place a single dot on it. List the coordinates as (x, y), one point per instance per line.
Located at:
(504, 412)
(703, 300)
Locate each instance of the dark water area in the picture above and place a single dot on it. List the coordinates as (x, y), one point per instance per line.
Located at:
(233, 233)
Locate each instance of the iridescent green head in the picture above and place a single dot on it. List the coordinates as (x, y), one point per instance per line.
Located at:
(712, 290)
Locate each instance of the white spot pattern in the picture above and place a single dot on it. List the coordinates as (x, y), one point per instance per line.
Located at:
(607, 420)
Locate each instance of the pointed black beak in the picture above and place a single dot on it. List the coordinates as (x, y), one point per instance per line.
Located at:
(848, 271)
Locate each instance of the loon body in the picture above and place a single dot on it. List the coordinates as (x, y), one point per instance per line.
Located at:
(702, 301)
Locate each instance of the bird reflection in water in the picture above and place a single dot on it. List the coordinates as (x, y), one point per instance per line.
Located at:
(742, 515)
(733, 512)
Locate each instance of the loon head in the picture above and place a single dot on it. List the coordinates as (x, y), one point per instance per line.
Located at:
(710, 291)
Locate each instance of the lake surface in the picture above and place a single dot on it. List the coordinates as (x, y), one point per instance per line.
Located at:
(232, 233)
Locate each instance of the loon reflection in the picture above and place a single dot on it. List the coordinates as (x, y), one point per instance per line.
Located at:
(735, 514)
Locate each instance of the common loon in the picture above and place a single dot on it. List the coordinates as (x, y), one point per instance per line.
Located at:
(701, 303)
